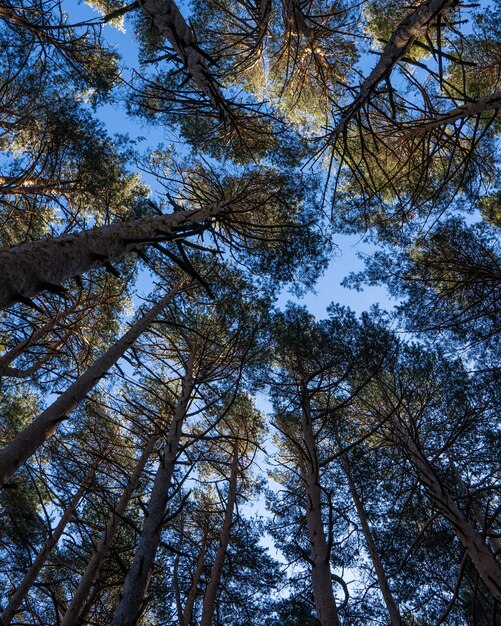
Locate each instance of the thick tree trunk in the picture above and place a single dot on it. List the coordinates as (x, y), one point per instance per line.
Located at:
(138, 576)
(76, 607)
(29, 268)
(391, 605)
(31, 575)
(410, 28)
(469, 109)
(323, 594)
(481, 556)
(192, 592)
(32, 437)
(170, 23)
(217, 568)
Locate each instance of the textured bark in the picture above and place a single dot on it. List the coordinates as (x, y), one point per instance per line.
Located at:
(410, 28)
(32, 267)
(217, 567)
(33, 436)
(391, 605)
(192, 592)
(325, 602)
(77, 604)
(469, 109)
(170, 23)
(481, 556)
(138, 576)
(31, 575)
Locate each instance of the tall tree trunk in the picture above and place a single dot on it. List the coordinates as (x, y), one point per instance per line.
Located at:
(389, 600)
(192, 592)
(33, 436)
(170, 23)
(217, 567)
(325, 602)
(76, 607)
(481, 556)
(479, 517)
(410, 28)
(31, 575)
(30, 268)
(138, 576)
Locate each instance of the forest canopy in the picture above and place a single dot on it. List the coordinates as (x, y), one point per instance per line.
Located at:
(180, 446)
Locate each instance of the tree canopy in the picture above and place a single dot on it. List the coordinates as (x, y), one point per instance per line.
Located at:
(178, 446)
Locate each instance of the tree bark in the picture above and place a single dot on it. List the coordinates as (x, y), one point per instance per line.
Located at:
(217, 568)
(138, 576)
(192, 592)
(169, 21)
(32, 267)
(410, 28)
(325, 602)
(31, 575)
(76, 607)
(33, 436)
(391, 605)
(481, 556)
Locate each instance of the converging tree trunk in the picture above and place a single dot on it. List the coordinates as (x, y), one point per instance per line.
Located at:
(138, 576)
(33, 436)
(481, 556)
(170, 23)
(410, 28)
(30, 268)
(192, 592)
(321, 575)
(31, 575)
(217, 567)
(76, 608)
(391, 605)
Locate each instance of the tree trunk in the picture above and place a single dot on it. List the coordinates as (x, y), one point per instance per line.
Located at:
(469, 109)
(481, 556)
(389, 600)
(479, 517)
(217, 568)
(31, 575)
(170, 23)
(76, 607)
(32, 267)
(410, 28)
(192, 592)
(325, 602)
(138, 576)
(33, 436)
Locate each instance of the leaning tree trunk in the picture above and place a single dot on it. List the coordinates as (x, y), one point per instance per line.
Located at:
(169, 21)
(478, 515)
(391, 605)
(481, 556)
(410, 28)
(321, 575)
(30, 268)
(32, 437)
(31, 575)
(76, 607)
(217, 568)
(138, 576)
